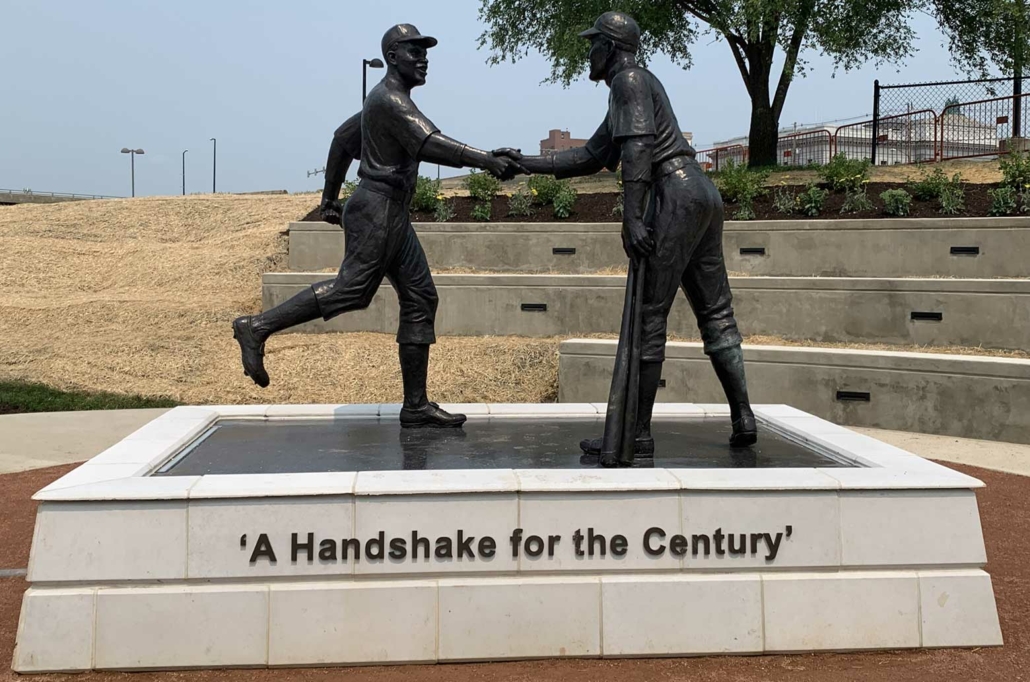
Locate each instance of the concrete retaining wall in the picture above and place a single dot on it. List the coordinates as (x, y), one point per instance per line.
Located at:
(991, 313)
(916, 247)
(954, 395)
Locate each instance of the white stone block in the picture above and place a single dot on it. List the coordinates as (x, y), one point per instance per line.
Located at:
(181, 627)
(218, 549)
(779, 529)
(467, 409)
(542, 410)
(754, 479)
(55, 633)
(502, 618)
(841, 611)
(901, 478)
(611, 514)
(681, 615)
(353, 623)
(87, 541)
(133, 488)
(218, 486)
(137, 452)
(239, 411)
(436, 516)
(435, 481)
(92, 473)
(958, 609)
(676, 410)
(910, 528)
(587, 480)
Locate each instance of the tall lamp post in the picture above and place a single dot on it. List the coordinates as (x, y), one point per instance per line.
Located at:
(184, 171)
(132, 162)
(365, 63)
(214, 166)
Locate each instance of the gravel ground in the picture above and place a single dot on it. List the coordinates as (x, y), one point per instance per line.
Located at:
(1005, 514)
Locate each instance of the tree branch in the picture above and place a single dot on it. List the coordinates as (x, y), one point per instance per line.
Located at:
(791, 59)
(737, 47)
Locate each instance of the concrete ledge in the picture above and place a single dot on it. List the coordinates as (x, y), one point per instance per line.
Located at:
(956, 395)
(988, 313)
(918, 247)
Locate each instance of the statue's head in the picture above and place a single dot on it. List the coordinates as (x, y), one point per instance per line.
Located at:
(406, 52)
(611, 33)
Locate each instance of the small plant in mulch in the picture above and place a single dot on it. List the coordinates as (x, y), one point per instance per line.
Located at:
(856, 201)
(1003, 200)
(931, 186)
(844, 174)
(482, 186)
(952, 200)
(444, 210)
(785, 199)
(481, 212)
(544, 188)
(896, 202)
(427, 195)
(740, 185)
(1015, 170)
(564, 201)
(619, 207)
(810, 202)
(520, 203)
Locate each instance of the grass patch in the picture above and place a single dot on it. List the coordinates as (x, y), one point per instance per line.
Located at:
(17, 397)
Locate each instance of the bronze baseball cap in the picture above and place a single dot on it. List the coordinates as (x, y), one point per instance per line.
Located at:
(618, 26)
(405, 33)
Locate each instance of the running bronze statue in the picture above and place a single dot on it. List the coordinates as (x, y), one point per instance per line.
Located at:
(390, 136)
(672, 232)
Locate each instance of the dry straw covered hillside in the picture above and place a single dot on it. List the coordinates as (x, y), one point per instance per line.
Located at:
(137, 296)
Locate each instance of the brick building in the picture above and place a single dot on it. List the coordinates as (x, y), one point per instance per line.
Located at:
(558, 140)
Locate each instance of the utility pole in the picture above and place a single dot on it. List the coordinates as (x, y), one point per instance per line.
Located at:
(214, 166)
(132, 163)
(184, 171)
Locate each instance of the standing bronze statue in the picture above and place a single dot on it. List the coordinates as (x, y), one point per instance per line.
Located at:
(672, 228)
(390, 136)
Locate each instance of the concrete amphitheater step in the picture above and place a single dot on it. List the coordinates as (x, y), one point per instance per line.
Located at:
(956, 395)
(938, 312)
(918, 247)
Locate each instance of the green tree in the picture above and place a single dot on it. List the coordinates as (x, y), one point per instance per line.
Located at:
(985, 34)
(849, 31)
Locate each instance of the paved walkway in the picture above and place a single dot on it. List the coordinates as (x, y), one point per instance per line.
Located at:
(34, 441)
(46, 439)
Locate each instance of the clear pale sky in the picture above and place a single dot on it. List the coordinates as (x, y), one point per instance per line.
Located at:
(271, 80)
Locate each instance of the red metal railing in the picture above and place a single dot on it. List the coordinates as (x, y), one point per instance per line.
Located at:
(716, 159)
(900, 139)
(982, 128)
(805, 148)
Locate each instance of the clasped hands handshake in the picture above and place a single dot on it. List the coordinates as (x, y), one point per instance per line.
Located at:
(504, 163)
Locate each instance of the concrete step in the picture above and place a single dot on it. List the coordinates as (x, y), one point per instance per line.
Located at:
(917, 247)
(940, 312)
(955, 395)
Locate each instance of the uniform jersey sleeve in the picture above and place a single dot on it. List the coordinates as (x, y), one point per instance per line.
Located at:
(631, 105)
(349, 136)
(602, 147)
(410, 126)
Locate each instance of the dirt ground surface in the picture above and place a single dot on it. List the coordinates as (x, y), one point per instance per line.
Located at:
(1005, 514)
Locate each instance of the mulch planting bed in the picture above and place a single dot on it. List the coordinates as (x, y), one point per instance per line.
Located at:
(598, 208)
(1004, 510)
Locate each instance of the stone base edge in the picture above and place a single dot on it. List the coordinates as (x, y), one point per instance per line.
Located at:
(328, 623)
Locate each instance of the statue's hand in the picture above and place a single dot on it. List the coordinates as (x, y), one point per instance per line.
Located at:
(513, 154)
(636, 239)
(331, 211)
(503, 167)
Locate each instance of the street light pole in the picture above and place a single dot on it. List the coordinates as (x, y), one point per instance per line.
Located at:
(365, 63)
(184, 171)
(214, 166)
(132, 164)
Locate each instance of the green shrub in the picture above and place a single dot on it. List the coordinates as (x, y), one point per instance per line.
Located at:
(896, 202)
(785, 200)
(444, 211)
(810, 202)
(482, 186)
(845, 175)
(427, 195)
(1015, 169)
(544, 188)
(481, 212)
(520, 203)
(856, 201)
(564, 201)
(745, 211)
(952, 199)
(740, 185)
(931, 186)
(619, 207)
(1003, 200)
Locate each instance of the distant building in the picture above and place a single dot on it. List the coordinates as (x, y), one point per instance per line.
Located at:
(559, 140)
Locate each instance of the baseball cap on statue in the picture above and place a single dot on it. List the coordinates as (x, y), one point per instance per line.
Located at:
(618, 26)
(405, 33)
